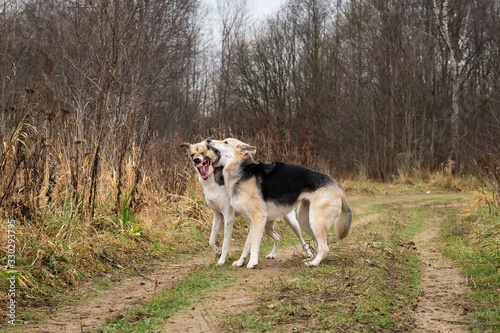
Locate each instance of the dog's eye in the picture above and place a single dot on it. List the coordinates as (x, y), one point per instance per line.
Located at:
(192, 155)
(226, 142)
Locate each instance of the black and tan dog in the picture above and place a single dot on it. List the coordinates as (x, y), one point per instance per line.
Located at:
(268, 191)
(218, 200)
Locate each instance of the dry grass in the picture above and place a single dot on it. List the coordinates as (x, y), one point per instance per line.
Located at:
(64, 245)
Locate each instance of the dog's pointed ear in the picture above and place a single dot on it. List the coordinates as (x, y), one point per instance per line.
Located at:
(185, 144)
(247, 149)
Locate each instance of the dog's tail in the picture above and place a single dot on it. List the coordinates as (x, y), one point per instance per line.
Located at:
(343, 223)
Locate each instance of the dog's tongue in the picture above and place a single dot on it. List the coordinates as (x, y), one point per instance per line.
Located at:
(203, 169)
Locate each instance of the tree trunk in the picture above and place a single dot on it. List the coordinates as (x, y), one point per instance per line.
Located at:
(456, 73)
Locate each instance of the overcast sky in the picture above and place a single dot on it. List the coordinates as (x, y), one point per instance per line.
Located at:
(265, 7)
(260, 8)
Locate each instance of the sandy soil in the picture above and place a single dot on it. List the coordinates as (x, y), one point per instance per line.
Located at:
(442, 306)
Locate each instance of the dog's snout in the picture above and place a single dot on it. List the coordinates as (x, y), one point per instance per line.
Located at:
(197, 160)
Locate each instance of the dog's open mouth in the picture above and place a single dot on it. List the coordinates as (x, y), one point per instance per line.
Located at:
(203, 168)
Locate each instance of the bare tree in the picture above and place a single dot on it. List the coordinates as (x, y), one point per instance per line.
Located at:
(233, 20)
(95, 79)
(457, 71)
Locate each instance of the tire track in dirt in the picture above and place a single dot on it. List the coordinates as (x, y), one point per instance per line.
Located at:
(130, 293)
(364, 220)
(441, 307)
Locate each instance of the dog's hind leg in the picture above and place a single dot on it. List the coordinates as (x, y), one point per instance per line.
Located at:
(320, 237)
(216, 223)
(274, 235)
(294, 224)
(323, 211)
(303, 219)
(228, 232)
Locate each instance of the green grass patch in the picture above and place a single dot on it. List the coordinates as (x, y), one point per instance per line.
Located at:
(163, 305)
(474, 243)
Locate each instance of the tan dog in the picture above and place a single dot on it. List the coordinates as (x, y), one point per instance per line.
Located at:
(267, 191)
(218, 200)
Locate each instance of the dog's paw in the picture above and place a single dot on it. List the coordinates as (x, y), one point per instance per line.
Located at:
(251, 265)
(237, 263)
(220, 262)
(271, 256)
(311, 263)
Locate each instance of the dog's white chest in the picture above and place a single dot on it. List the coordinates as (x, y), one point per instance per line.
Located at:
(216, 196)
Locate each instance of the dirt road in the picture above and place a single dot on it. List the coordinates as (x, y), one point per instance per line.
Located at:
(442, 304)
(439, 308)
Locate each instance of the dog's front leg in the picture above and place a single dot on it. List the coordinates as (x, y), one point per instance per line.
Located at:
(246, 250)
(228, 232)
(216, 223)
(257, 231)
(291, 220)
(276, 238)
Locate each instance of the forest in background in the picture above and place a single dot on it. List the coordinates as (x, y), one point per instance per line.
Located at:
(97, 95)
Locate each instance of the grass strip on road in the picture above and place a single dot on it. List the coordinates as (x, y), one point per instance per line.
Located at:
(163, 305)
